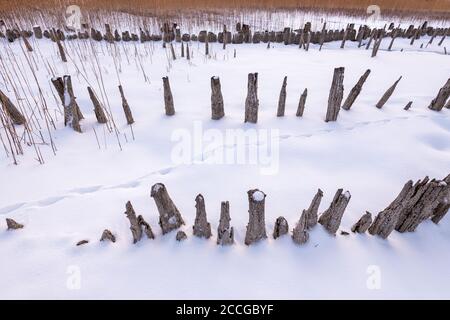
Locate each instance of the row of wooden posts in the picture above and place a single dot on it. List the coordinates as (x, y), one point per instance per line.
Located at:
(243, 34)
(73, 115)
(417, 202)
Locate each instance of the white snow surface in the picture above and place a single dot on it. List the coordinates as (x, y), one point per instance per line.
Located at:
(82, 190)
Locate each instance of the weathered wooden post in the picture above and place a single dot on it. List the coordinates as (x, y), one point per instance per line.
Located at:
(256, 228)
(72, 112)
(182, 49)
(363, 223)
(126, 107)
(188, 53)
(224, 36)
(387, 219)
(387, 94)
(311, 213)
(444, 93)
(14, 113)
(336, 95)
(300, 233)
(217, 110)
(168, 98)
(137, 224)
(108, 236)
(282, 99)
(169, 216)
(376, 45)
(322, 35)
(421, 206)
(355, 91)
(225, 233)
(331, 218)
(172, 50)
(202, 228)
(98, 110)
(252, 102)
(281, 227)
(408, 105)
(301, 103)
(37, 32)
(443, 203)
(13, 225)
(181, 236)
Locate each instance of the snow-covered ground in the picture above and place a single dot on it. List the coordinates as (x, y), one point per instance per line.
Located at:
(82, 190)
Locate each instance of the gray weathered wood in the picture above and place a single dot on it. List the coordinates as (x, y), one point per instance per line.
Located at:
(301, 103)
(386, 220)
(108, 236)
(336, 95)
(312, 212)
(443, 206)
(422, 204)
(135, 228)
(168, 98)
(201, 228)
(126, 107)
(72, 112)
(387, 94)
(281, 227)
(408, 105)
(252, 102)
(10, 109)
(181, 236)
(300, 233)
(444, 93)
(13, 225)
(282, 99)
(217, 110)
(225, 233)
(169, 216)
(356, 90)
(331, 218)
(256, 228)
(98, 110)
(363, 223)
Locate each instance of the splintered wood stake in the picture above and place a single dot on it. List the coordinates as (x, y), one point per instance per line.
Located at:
(387, 94)
(282, 99)
(336, 95)
(168, 98)
(225, 233)
(98, 110)
(256, 228)
(444, 93)
(217, 109)
(300, 233)
(311, 213)
(301, 103)
(252, 102)
(126, 107)
(363, 224)
(331, 218)
(356, 90)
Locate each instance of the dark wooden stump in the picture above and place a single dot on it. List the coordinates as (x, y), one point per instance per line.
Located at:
(363, 224)
(336, 95)
(331, 218)
(256, 228)
(11, 110)
(168, 98)
(201, 228)
(252, 102)
(282, 99)
(126, 107)
(169, 216)
(301, 103)
(281, 227)
(225, 233)
(356, 90)
(444, 93)
(387, 94)
(98, 110)
(217, 109)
